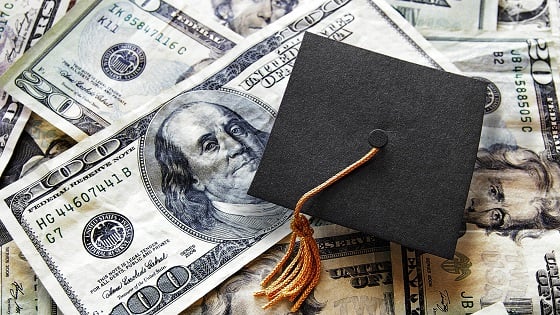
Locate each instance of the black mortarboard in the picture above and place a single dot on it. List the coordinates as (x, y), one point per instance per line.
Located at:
(414, 190)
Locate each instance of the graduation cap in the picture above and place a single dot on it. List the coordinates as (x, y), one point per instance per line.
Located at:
(340, 102)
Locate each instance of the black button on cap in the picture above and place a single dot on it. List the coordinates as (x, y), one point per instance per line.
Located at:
(378, 138)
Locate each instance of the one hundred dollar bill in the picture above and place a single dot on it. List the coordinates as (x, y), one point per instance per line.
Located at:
(108, 57)
(356, 279)
(148, 215)
(22, 24)
(507, 253)
(449, 15)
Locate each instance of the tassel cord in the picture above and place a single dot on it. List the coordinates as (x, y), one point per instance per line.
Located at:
(302, 274)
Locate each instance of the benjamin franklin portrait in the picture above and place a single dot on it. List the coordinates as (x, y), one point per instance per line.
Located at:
(202, 150)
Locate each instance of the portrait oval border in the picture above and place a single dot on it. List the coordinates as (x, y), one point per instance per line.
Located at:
(260, 115)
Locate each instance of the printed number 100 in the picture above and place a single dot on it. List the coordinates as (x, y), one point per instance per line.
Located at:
(149, 297)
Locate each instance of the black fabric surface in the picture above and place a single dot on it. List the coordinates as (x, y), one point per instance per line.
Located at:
(414, 191)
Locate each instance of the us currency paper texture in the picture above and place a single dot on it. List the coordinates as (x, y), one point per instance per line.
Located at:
(18, 282)
(21, 292)
(22, 24)
(529, 15)
(509, 251)
(14, 116)
(484, 271)
(39, 142)
(245, 17)
(117, 224)
(356, 279)
(109, 57)
(449, 15)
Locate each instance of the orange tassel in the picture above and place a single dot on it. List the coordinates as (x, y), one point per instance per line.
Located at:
(301, 276)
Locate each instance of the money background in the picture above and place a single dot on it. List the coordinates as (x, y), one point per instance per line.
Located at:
(419, 47)
(354, 263)
(515, 266)
(23, 24)
(515, 273)
(166, 46)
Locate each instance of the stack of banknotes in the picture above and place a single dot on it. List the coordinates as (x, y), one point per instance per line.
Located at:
(131, 130)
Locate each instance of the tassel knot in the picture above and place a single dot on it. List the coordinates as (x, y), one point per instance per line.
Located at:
(301, 227)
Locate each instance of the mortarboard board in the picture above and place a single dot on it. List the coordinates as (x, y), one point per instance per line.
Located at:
(414, 190)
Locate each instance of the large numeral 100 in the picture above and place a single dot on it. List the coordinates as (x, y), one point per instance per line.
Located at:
(148, 297)
(312, 18)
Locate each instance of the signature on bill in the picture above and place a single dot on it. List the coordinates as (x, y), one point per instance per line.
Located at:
(21, 32)
(443, 305)
(15, 290)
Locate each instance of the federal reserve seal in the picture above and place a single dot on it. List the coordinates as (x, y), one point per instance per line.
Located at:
(123, 62)
(493, 96)
(107, 235)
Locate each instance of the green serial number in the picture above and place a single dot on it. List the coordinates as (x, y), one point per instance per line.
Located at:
(140, 25)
